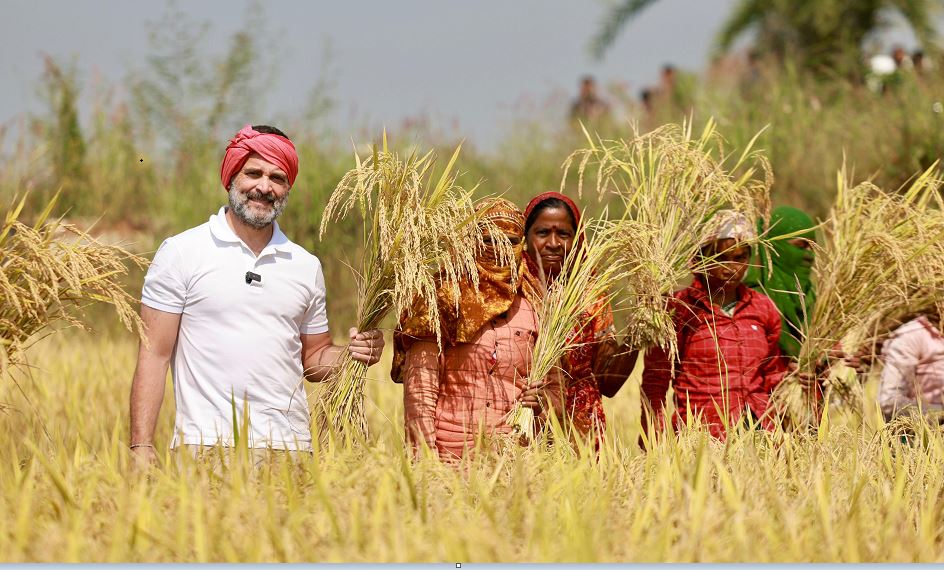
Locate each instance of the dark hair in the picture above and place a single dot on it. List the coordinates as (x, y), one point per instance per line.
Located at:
(267, 130)
(547, 204)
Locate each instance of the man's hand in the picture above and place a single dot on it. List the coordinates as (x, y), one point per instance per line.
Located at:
(366, 346)
(143, 457)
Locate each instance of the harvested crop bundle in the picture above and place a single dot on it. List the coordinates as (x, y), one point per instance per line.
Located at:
(48, 272)
(880, 258)
(671, 184)
(418, 232)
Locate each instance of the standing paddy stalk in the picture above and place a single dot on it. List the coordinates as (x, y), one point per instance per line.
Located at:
(671, 184)
(880, 258)
(418, 232)
(49, 271)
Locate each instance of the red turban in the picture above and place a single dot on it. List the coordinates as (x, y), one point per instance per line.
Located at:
(278, 150)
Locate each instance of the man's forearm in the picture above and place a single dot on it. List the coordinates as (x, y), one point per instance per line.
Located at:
(147, 395)
(323, 363)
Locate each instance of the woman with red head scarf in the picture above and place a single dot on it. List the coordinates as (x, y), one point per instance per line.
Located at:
(468, 389)
(596, 365)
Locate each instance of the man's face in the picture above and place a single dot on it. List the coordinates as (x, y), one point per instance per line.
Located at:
(258, 192)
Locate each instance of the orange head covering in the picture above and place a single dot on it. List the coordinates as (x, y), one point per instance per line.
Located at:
(463, 309)
(274, 148)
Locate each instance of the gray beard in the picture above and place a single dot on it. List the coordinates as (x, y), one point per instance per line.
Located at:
(238, 203)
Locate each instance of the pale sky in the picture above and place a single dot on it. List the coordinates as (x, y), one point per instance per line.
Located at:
(471, 66)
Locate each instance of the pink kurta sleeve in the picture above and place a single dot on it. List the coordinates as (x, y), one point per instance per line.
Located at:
(901, 354)
(421, 392)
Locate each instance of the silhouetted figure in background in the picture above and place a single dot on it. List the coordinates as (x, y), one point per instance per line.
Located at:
(676, 90)
(900, 56)
(917, 62)
(753, 78)
(589, 107)
(645, 97)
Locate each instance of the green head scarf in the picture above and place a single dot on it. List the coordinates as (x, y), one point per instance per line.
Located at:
(786, 276)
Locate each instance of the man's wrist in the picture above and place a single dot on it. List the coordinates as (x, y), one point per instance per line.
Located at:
(136, 445)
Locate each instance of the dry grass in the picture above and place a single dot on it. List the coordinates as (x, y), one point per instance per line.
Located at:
(48, 272)
(852, 493)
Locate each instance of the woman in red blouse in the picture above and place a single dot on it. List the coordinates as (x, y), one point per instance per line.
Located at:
(728, 354)
(596, 364)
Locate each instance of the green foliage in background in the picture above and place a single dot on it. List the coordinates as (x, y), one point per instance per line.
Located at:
(823, 36)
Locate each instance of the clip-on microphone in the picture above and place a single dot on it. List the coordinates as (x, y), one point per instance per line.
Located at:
(250, 277)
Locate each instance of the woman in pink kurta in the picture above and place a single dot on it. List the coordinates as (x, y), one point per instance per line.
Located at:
(913, 375)
(453, 397)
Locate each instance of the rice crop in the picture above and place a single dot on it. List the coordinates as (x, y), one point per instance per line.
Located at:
(880, 258)
(671, 183)
(418, 231)
(49, 271)
(852, 493)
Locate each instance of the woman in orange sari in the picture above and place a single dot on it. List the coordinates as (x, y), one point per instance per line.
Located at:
(596, 365)
(469, 388)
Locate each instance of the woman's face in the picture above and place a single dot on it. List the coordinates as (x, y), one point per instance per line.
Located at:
(550, 238)
(730, 264)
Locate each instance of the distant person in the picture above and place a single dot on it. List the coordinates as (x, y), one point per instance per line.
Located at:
(902, 72)
(918, 62)
(753, 78)
(913, 376)
(588, 106)
(238, 313)
(900, 57)
(667, 78)
(645, 97)
(676, 89)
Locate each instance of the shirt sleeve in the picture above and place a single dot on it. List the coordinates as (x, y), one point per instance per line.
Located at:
(657, 371)
(773, 367)
(165, 284)
(421, 393)
(315, 320)
(896, 385)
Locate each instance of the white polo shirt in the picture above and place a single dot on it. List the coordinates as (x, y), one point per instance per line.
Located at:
(239, 344)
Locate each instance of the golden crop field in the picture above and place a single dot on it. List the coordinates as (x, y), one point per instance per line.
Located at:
(852, 492)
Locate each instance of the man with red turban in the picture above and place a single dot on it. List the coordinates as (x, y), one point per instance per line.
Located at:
(238, 313)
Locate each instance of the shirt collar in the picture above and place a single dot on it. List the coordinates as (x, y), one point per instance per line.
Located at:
(700, 294)
(220, 229)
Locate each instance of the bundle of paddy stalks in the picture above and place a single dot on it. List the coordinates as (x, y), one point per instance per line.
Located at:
(671, 184)
(590, 271)
(50, 271)
(880, 258)
(418, 232)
